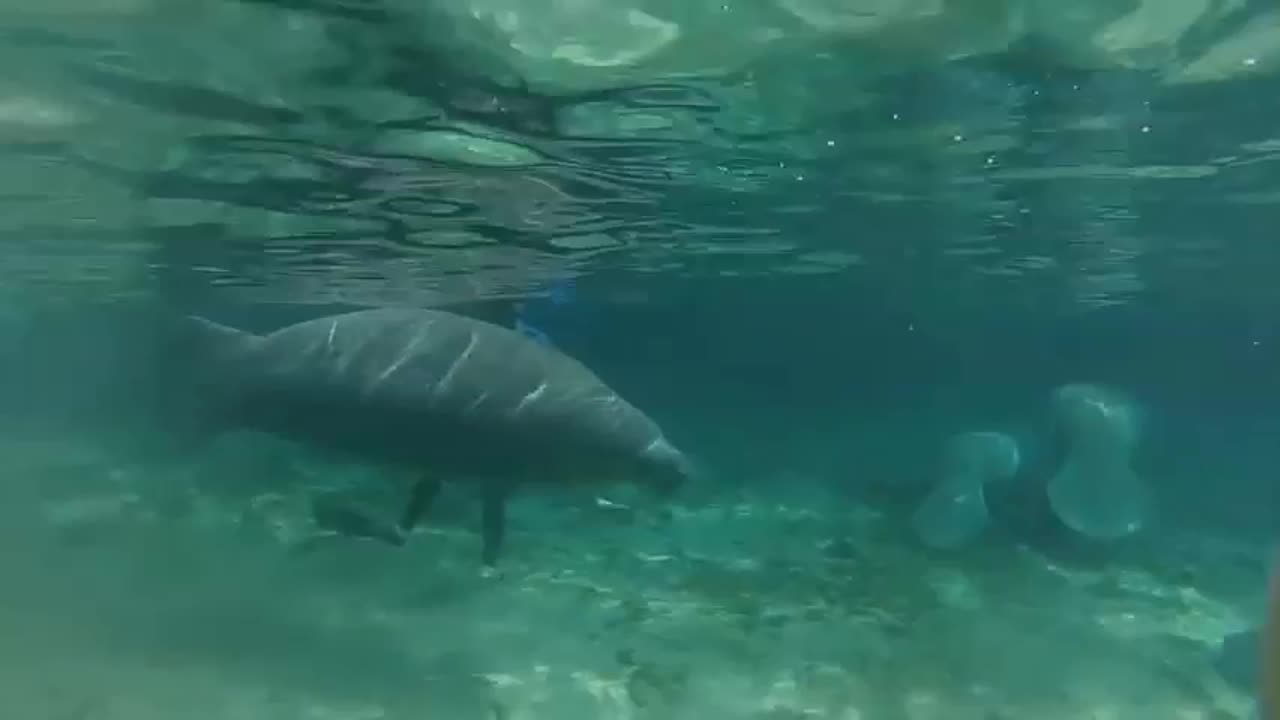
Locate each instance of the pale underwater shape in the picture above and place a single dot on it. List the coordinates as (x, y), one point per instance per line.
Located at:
(1095, 492)
(956, 510)
(560, 293)
(563, 46)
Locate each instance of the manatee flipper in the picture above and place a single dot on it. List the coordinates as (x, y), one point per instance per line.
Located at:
(493, 524)
(342, 519)
(421, 498)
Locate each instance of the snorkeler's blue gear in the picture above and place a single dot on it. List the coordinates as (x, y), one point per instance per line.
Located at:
(538, 313)
(528, 330)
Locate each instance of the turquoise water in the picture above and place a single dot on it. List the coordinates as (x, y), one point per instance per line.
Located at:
(963, 311)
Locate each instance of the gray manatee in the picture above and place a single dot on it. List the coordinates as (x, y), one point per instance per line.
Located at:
(459, 398)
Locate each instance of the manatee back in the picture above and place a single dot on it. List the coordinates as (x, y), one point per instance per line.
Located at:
(446, 374)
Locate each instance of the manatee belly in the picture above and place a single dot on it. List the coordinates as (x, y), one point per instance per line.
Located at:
(445, 442)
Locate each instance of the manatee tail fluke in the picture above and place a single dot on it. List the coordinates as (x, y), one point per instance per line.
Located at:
(209, 339)
(1095, 491)
(197, 369)
(203, 351)
(955, 511)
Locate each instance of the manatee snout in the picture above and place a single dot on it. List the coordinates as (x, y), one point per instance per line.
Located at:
(665, 470)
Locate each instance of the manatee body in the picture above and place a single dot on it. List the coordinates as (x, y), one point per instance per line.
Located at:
(460, 398)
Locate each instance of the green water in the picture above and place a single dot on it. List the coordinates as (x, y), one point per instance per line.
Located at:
(818, 242)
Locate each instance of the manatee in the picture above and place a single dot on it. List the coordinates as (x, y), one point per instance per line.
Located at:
(1096, 491)
(955, 511)
(455, 398)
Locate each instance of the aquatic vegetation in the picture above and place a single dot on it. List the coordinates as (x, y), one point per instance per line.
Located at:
(956, 510)
(1095, 491)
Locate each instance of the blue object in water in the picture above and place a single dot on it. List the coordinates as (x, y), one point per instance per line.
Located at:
(533, 315)
(526, 329)
(563, 292)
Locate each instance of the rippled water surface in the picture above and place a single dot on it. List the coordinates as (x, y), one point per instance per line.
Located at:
(408, 151)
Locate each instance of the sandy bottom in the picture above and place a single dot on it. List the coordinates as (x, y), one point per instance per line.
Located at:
(192, 592)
